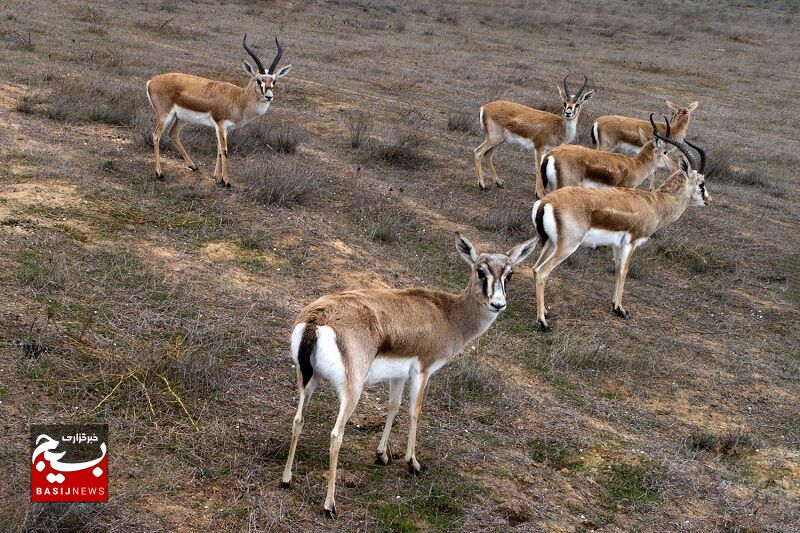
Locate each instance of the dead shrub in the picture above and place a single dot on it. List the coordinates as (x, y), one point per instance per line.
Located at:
(358, 126)
(383, 223)
(86, 13)
(19, 40)
(403, 149)
(508, 221)
(277, 182)
(81, 100)
(261, 135)
(462, 122)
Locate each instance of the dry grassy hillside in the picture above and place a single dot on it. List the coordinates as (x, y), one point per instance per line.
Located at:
(164, 308)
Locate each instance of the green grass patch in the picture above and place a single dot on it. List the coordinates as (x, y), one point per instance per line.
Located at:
(632, 483)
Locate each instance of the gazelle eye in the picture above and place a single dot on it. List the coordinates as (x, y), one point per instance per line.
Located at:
(481, 274)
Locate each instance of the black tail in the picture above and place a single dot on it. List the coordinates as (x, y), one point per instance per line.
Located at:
(543, 172)
(543, 237)
(595, 140)
(307, 344)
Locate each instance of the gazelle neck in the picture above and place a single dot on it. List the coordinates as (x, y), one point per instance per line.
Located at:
(647, 158)
(570, 128)
(675, 199)
(470, 317)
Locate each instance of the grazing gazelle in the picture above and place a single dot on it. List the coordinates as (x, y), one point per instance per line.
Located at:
(574, 165)
(615, 132)
(530, 128)
(360, 337)
(621, 218)
(180, 98)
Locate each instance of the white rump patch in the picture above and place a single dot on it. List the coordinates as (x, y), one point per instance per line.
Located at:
(387, 368)
(535, 209)
(602, 237)
(549, 223)
(520, 141)
(327, 359)
(481, 119)
(551, 172)
(297, 336)
(596, 135)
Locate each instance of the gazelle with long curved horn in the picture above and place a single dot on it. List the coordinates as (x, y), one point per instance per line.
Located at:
(617, 133)
(580, 166)
(356, 338)
(530, 128)
(183, 98)
(624, 219)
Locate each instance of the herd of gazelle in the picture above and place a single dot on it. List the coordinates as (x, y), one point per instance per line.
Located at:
(360, 337)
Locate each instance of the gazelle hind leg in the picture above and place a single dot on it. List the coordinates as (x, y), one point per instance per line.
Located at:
(222, 154)
(348, 399)
(490, 162)
(175, 135)
(479, 151)
(162, 123)
(297, 425)
(396, 387)
(542, 272)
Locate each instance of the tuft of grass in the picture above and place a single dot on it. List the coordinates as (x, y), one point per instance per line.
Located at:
(556, 453)
(266, 134)
(466, 380)
(508, 221)
(86, 99)
(632, 483)
(385, 225)
(464, 122)
(734, 443)
(403, 149)
(277, 182)
(86, 13)
(358, 126)
(19, 40)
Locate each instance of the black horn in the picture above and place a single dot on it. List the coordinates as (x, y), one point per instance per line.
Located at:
(566, 89)
(277, 57)
(583, 87)
(680, 145)
(655, 128)
(250, 51)
(702, 156)
(668, 126)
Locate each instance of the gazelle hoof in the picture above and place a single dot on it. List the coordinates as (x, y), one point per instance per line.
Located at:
(227, 184)
(415, 471)
(543, 327)
(499, 184)
(382, 459)
(482, 186)
(159, 176)
(284, 485)
(193, 168)
(620, 312)
(331, 513)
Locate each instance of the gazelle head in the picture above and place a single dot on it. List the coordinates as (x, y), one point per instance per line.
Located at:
(680, 113)
(693, 171)
(572, 102)
(264, 79)
(662, 148)
(491, 272)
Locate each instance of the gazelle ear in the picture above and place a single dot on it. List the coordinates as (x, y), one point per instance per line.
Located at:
(518, 253)
(642, 136)
(248, 68)
(283, 72)
(671, 164)
(465, 248)
(586, 96)
(672, 107)
(692, 106)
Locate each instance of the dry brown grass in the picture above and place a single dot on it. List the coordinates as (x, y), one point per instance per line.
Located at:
(161, 307)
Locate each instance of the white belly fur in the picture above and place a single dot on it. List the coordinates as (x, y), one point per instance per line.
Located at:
(628, 149)
(602, 237)
(516, 139)
(387, 368)
(194, 117)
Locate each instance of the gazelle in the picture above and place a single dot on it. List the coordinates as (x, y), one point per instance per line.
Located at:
(361, 337)
(180, 98)
(615, 132)
(580, 166)
(621, 218)
(530, 128)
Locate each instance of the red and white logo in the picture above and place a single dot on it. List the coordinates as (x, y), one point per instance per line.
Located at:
(69, 463)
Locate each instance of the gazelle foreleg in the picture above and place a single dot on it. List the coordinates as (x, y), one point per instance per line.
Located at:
(297, 425)
(222, 155)
(479, 151)
(622, 256)
(175, 135)
(396, 387)
(416, 394)
(539, 183)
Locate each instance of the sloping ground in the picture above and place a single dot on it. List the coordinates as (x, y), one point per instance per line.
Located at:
(164, 309)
